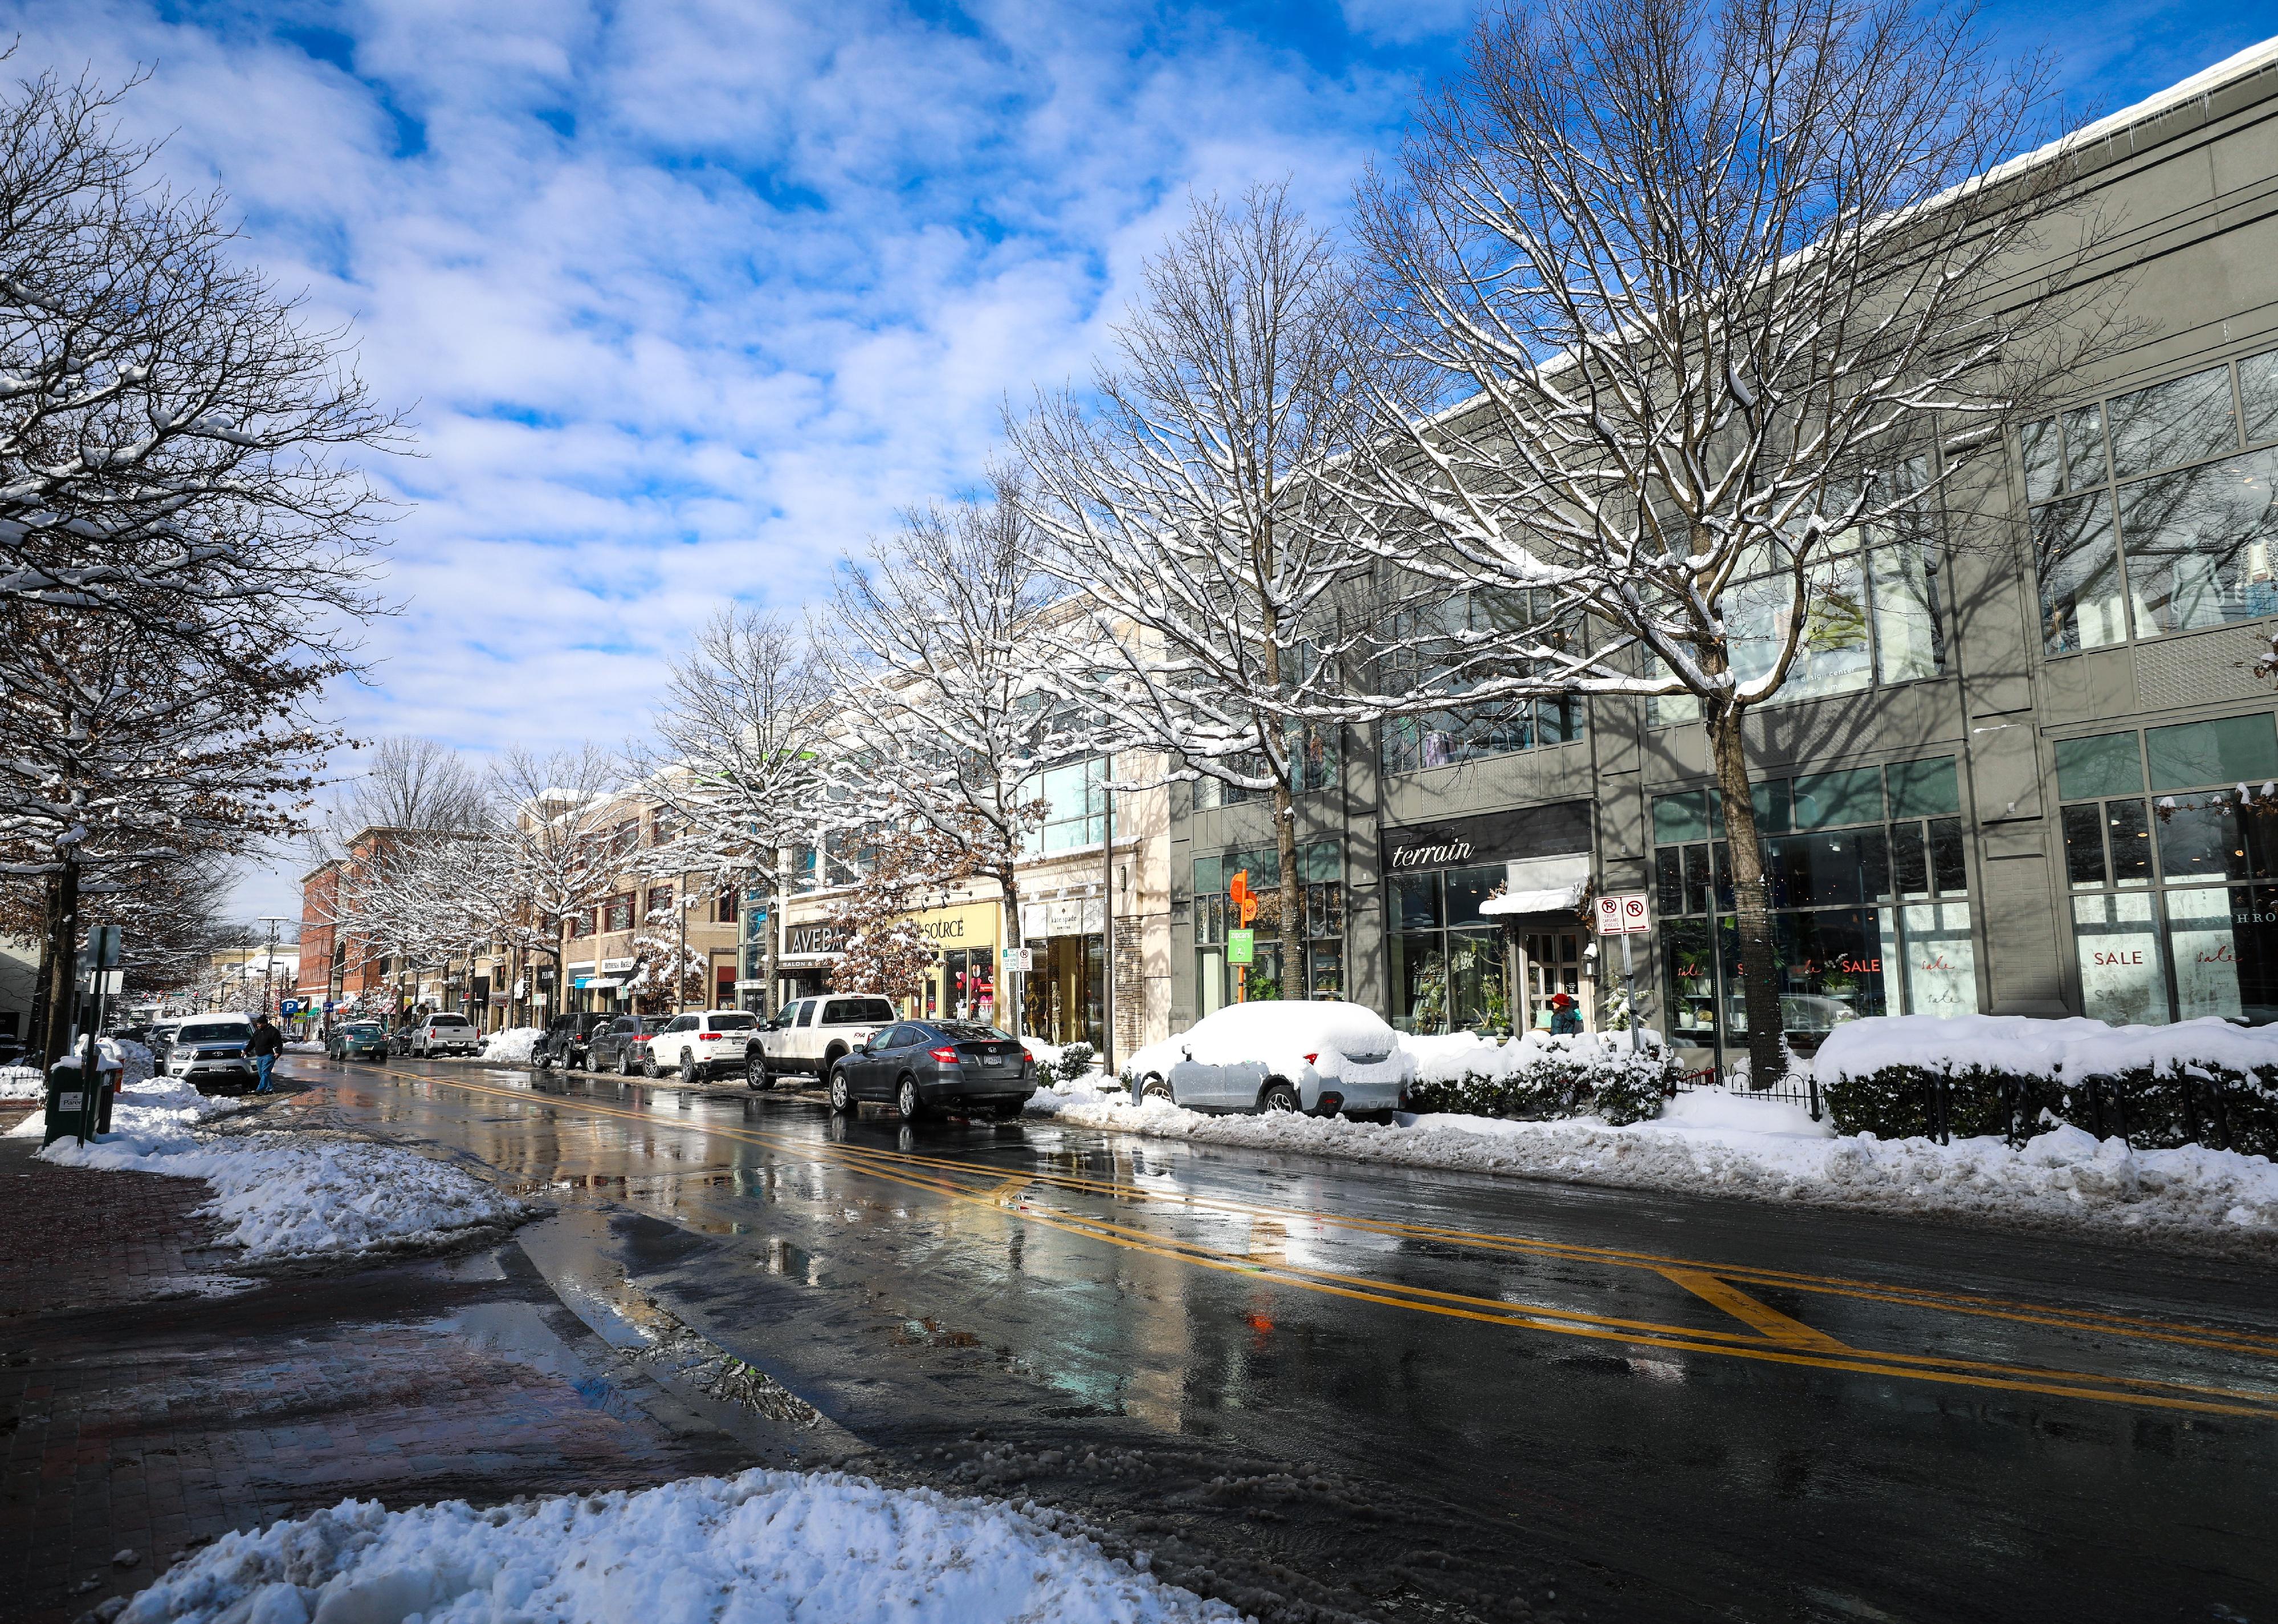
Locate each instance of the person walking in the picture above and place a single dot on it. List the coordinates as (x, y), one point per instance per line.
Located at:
(267, 1044)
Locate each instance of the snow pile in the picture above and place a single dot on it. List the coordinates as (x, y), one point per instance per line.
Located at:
(135, 1062)
(2064, 1050)
(309, 1047)
(760, 1545)
(21, 1083)
(283, 1199)
(512, 1045)
(1712, 1143)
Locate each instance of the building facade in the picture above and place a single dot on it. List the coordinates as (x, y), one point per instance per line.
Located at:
(2025, 766)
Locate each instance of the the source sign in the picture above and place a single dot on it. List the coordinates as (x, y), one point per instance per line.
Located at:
(1624, 913)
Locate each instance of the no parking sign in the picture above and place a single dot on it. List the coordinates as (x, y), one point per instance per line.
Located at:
(1624, 913)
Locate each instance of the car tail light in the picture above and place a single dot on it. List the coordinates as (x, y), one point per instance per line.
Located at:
(945, 1055)
(710, 1037)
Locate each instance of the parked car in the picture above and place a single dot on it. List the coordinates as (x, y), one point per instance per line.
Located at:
(210, 1051)
(567, 1042)
(920, 1065)
(810, 1036)
(363, 1041)
(161, 1040)
(619, 1046)
(1321, 1056)
(443, 1032)
(699, 1047)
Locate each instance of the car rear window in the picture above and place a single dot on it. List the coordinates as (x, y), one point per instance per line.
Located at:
(732, 1023)
(856, 1012)
(215, 1032)
(966, 1031)
(446, 1020)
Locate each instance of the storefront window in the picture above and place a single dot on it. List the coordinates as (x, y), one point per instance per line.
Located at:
(1318, 968)
(1447, 969)
(1868, 880)
(2175, 914)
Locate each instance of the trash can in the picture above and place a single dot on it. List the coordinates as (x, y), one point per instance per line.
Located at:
(72, 1108)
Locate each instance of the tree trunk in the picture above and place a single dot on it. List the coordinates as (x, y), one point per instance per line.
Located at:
(1014, 1016)
(1292, 889)
(1759, 969)
(62, 952)
(771, 953)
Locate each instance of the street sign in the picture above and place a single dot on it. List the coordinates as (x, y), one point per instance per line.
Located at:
(288, 1006)
(102, 946)
(1245, 901)
(1021, 959)
(1241, 947)
(1624, 913)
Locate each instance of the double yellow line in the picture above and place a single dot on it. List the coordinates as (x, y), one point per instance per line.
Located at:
(1771, 1336)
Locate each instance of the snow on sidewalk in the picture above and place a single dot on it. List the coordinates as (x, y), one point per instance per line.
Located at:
(278, 1199)
(1709, 1143)
(763, 1544)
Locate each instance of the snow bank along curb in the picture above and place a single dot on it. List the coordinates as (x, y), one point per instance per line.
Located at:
(760, 1545)
(1710, 1143)
(278, 1199)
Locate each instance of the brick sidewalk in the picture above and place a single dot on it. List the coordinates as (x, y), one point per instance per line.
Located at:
(141, 1415)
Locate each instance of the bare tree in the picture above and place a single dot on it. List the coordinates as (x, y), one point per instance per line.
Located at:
(406, 784)
(1183, 504)
(1727, 285)
(951, 687)
(549, 858)
(735, 757)
(172, 428)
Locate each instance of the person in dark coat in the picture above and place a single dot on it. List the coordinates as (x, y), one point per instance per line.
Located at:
(1565, 1014)
(266, 1045)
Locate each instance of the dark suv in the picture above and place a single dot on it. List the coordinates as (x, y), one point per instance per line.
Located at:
(569, 1038)
(617, 1047)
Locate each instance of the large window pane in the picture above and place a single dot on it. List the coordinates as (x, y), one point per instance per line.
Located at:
(2105, 765)
(2083, 840)
(1415, 902)
(2119, 947)
(1908, 645)
(1831, 800)
(1834, 966)
(1924, 788)
(1949, 868)
(2234, 749)
(1419, 983)
(1810, 871)
(1326, 969)
(1678, 818)
(1467, 888)
(2079, 569)
(2198, 545)
(2044, 460)
(2212, 836)
(2221, 941)
(1909, 861)
(2128, 831)
(1691, 972)
(2257, 390)
(1941, 959)
(1833, 657)
(2181, 421)
(1668, 880)
(2083, 445)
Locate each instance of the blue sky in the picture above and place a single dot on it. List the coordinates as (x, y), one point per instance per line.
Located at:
(686, 297)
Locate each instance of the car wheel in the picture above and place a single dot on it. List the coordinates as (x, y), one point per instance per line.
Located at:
(757, 1078)
(624, 1062)
(1156, 1089)
(688, 1072)
(649, 1066)
(541, 1061)
(908, 1100)
(1279, 1098)
(842, 1093)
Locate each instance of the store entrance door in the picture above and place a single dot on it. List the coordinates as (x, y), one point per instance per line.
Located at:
(1551, 963)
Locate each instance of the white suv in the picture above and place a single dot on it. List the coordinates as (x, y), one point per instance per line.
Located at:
(698, 1046)
(443, 1034)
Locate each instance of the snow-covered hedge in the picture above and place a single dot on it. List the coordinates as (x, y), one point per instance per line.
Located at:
(2198, 1082)
(1540, 1076)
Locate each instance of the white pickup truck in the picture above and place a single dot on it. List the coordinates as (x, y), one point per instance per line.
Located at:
(807, 1038)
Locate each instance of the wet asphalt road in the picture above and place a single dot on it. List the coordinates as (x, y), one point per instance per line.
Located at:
(1338, 1391)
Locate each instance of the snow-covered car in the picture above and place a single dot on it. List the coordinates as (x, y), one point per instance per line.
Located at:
(698, 1046)
(1321, 1056)
(210, 1050)
(442, 1033)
